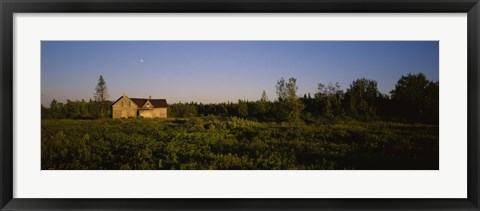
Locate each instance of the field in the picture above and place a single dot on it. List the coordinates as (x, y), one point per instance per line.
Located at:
(202, 143)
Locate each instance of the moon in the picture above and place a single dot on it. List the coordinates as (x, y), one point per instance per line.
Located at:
(141, 60)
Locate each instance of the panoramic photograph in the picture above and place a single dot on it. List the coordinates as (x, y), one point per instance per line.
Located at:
(239, 105)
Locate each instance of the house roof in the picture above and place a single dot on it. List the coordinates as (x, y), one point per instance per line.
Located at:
(139, 101)
(157, 103)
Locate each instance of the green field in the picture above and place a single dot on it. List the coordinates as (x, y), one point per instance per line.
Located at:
(202, 143)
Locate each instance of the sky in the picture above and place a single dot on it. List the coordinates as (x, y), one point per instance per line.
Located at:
(224, 71)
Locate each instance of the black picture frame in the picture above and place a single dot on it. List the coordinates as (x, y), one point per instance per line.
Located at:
(9, 7)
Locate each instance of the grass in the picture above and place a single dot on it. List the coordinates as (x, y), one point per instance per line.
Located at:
(202, 143)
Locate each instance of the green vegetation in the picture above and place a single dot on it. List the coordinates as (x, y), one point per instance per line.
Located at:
(414, 100)
(98, 108)
(359, 128)
(236, 143)
(101, 96)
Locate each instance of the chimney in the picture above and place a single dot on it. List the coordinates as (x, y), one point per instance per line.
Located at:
(150, 97)
(123, 94)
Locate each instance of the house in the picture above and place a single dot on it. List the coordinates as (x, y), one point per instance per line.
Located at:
(126, 107)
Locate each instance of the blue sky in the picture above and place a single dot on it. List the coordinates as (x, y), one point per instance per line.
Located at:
(221, 71)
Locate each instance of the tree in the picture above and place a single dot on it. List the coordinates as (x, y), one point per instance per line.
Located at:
(54, 105)
(101, 95)
(416, 98)
(281, 89)
(430, 108)
(290, 106)
(323, 101)
(221, 110)
(44, 112)
(264, 97)
(329, 100)
(242, 108)
(83, 108)
(182, 110)
(72, 108)
(360, 98)
(262, 107)
(57, 110)
(337, 97)
(101, 92)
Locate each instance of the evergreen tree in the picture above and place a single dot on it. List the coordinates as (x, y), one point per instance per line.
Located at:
(101, 95)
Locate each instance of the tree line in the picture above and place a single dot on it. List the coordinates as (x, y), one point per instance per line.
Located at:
(78, 109)
(98, 108)
(414, 99)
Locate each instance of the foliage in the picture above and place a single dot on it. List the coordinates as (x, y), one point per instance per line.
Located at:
(261, 107)
(242, 108)
(414, 99)
(289, 106)
(101, 96)
(360, 98)
(75, 110)
(328, 100)
(101, 92)
(236, 143)
(182, 110)
(357, 129)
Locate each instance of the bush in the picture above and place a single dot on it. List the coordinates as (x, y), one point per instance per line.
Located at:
(236, 143)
